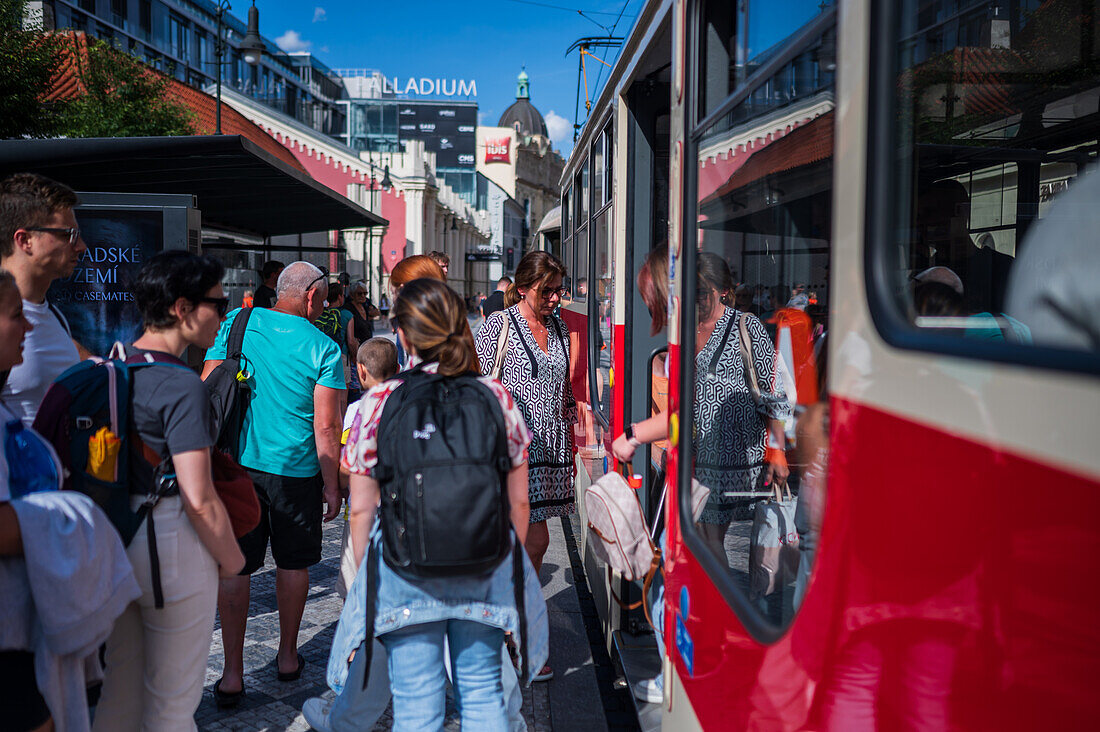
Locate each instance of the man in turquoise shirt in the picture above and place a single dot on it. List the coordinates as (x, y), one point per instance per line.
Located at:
(290, 445)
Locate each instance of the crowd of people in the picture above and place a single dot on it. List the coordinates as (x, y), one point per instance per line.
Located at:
(175, 548)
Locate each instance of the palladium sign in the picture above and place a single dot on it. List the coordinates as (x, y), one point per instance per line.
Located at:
(423, 86)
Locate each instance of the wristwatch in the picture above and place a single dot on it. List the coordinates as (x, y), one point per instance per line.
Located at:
(629, 432)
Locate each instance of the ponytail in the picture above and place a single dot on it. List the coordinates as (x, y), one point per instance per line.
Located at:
(511, 295)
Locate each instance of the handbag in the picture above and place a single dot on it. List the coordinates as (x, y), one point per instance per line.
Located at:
(773, 544)
(618, 533)
(502, 347)
(235, 489)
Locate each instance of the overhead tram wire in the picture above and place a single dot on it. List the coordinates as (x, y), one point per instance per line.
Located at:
(610, 33)
(562, 7)
(583, 45)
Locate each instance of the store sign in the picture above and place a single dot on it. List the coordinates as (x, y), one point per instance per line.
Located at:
(498, 150)
(422, 87)
(446, 128)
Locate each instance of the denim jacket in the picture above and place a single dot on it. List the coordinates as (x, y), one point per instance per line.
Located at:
(489, 599)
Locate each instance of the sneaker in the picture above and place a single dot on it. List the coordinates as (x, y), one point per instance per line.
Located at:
(545, 674)
(316, 711)
(649, 690)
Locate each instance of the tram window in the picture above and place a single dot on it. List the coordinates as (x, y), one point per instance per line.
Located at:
(582, 195)
(597, 172)
(566, 219)
(609, 157)
(738, 38)
(764, 217)
(996, 127)
(600, 360)
(579, 271)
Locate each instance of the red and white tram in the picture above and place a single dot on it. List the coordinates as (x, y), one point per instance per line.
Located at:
(914, 179)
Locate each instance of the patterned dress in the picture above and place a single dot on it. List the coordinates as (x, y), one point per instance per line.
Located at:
(539, 382)
(730, 426)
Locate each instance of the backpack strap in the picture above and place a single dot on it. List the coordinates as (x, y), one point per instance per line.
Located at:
(60, 318)
(519, 587)
(235, 342)
(371, 608)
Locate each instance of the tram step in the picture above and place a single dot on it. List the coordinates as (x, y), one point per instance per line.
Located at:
(640, 660)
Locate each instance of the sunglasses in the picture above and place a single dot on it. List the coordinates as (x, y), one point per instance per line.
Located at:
(221, 304)
(72, 232)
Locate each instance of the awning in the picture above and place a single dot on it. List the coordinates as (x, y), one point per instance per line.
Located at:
(239, 186)
(551, 221)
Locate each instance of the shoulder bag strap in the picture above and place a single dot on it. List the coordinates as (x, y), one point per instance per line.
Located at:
(527, 348)
(561, 337)
(712, 369)
(502, 346)
(746, 357)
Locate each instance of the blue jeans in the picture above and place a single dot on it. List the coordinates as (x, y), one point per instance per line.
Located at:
(419, 681)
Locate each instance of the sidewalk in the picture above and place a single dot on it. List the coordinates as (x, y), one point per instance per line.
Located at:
(570, 701)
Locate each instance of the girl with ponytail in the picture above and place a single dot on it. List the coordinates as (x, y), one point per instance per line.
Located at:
(472, 613)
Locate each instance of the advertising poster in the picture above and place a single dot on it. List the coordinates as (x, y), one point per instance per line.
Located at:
(97, 298)
(447, 130)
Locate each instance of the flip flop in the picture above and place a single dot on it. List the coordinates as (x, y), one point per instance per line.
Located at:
(291, 675)
(226, 699)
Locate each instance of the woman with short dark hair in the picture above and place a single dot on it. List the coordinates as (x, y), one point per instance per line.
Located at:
(156, 657)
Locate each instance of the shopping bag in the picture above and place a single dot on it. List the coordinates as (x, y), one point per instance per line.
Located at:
(773, 544)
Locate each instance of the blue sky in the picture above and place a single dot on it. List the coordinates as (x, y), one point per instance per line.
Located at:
(488, 41)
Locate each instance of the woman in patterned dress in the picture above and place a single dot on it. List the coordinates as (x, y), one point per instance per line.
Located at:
(739, 444)
(536, 372)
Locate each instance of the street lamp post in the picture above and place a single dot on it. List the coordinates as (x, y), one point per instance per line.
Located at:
(252, 47)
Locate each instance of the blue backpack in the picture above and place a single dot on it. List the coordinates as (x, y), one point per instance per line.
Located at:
(86, 416)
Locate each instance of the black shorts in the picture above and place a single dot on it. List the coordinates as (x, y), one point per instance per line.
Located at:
(21, 705)
(290, 516)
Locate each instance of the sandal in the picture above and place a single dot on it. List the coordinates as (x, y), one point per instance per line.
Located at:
(291, 675)
(226, 699)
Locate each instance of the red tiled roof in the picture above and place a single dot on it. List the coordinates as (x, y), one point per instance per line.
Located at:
(808, 143)
(67, 85)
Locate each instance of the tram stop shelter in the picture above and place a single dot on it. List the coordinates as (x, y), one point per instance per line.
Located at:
(227, 194)
(238, 185)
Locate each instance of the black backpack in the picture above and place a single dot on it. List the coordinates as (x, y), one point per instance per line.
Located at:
(442, 469)
(229, 391)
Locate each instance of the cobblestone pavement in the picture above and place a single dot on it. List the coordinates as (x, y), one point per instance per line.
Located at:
(270, 704)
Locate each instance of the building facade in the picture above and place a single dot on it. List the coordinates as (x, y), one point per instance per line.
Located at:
(533, 165)
(178, 37)
(383, 115)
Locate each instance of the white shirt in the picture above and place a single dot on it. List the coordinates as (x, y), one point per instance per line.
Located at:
(47, 352)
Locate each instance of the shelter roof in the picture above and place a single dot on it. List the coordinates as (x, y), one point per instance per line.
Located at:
(239, 185)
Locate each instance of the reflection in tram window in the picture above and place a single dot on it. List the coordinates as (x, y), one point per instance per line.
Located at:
(994, 126)
(764, 213)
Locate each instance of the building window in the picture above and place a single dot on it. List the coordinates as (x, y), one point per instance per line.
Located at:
(177, 36)
(145, 17)
(118, 13)
(88, 6)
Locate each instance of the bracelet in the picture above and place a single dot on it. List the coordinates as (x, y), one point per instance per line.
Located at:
(629, 434)
(775, 455)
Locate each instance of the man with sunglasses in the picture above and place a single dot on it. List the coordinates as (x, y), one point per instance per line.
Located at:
(290, 445)
(39, 243)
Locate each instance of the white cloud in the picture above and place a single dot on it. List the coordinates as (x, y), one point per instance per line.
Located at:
(292, 42)
(560, 129)
(325, 49)
(319, 15)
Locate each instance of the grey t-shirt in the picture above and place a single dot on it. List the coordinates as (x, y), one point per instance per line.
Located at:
(171, 408)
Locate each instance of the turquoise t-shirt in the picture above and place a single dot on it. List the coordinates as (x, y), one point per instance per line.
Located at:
(287, 357)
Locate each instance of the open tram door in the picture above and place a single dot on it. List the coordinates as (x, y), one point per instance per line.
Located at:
(614, 213)
(939, 171)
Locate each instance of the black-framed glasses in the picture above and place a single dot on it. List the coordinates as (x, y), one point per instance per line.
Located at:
(547, 293)
(72, 232)
(318, 278)
(221, 304)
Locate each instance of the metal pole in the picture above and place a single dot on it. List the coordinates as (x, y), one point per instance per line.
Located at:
(220, 53)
